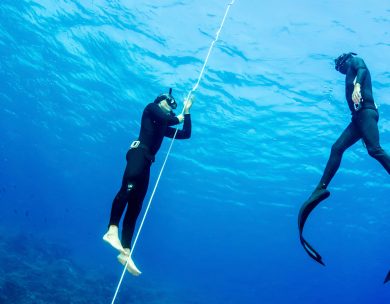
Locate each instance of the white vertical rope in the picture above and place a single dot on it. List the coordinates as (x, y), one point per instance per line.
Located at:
(170, 148)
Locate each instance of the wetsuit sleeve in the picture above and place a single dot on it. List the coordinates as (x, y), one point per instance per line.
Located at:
(157, 114)
(184, 133)
(361, 70)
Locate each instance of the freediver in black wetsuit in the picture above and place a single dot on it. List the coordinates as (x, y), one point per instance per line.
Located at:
(364, 125)
(157, 119)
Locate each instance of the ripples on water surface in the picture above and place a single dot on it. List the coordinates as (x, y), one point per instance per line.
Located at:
(75, 76)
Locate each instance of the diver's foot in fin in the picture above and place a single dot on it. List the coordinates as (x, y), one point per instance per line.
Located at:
(111, 237)
(318, 195)
(122, 258)
(387, 279)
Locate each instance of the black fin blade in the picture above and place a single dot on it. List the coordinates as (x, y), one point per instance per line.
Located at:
(387, 278)
(309, 205)
(313, 201)
(312, 252)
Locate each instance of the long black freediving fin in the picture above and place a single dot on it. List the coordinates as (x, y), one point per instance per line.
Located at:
(317, 197)
(387, 278)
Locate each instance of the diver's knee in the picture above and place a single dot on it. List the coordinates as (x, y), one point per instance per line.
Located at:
(124, 191)
(337, 149)
(375, 152)
(121, 196)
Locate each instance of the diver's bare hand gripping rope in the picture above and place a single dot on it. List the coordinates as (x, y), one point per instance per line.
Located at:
(170, 147)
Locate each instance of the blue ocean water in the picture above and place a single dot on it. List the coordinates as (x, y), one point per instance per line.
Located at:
(75, 77)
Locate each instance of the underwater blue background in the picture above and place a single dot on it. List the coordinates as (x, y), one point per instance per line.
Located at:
(74, 79)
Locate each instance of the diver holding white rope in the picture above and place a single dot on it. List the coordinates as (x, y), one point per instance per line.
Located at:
(173, 133)
(156, 122)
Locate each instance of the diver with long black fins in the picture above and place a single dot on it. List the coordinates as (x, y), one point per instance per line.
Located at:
(156, 123)
(363, 125)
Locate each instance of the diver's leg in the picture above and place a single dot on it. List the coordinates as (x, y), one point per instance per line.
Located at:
(133, 209)
(134, 168)
(118, 206)
(120, 200)
(368, 124)
(349, 137)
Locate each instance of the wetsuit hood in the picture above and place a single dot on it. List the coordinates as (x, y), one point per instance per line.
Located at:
(340, 62)
(168, 97)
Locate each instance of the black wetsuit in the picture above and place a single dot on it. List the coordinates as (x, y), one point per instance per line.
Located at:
(364, 123)
(155, 125)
